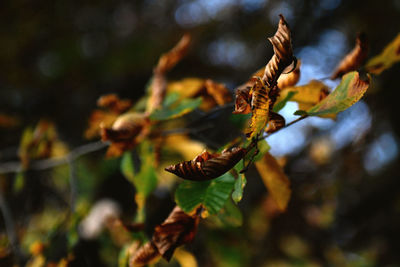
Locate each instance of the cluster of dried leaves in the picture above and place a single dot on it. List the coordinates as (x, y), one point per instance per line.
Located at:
(263, 95)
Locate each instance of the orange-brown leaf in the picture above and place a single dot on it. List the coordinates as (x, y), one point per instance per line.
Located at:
(126, 132)
(178, 229)
(7, 121)
(283, 53)
(218, 91)
(113, 103)
(260, 105)
(291, 78)
(166, 62)
(243, 100)
(147, 254)
(275, 180)
(208, 166)
(275, 122)
(354, 59)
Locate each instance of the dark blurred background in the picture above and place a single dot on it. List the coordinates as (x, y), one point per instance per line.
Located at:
(58, 57)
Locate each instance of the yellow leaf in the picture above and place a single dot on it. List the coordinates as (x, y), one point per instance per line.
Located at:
(182, 144)
(185, 258)
(187, 88)
(310, 93)
(260, 108)
(389, 56)
(275, 180)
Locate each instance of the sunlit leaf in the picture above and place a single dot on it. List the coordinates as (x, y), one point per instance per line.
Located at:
(212, 195)
(175, 109)
(354, 59)
(185, 258)
(275, 122)
(290, 79)
(275, 180)
(349, 91)
(114, 104)
(260, 109)
(389, 56)
(182, 144)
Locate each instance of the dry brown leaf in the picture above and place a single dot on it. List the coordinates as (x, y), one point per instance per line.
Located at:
(283, 53)
(208, 166)
(275, 122)
(166, 62)
(290, 79)
(275, 180)
(98, 117)
(243, 100)
(178, 229)
(147, 254)
(354, 59)
(113, 103)
(218, 91)
(126, 132)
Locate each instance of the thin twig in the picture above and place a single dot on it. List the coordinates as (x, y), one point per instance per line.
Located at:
(284, 127)
(16, 166)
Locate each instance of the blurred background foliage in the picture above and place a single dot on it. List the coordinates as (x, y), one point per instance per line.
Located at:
(58, 57)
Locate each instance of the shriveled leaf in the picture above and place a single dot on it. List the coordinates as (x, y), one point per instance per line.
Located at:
(349, 91)
(212, 195)
(97, 118)
(127, 131)
(113, 103)
(218, 91)
(283, 54)
(389, 56)
(354, 59)
(166, 62)
(176, 109)
(291, 78)
(260, 106)
(145, 255)
(208, 166)
(275, 122)
(243, 100)
(275, 180)
(178, 229)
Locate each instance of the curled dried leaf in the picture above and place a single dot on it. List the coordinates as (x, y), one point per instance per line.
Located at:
(260, 105)
(354, 59)
(218, 91)
(166, 62)
(276, 122)
(113, 103)
(178, 229)
(147, 254)
(126, 132)
(290, 79)
(283, 53)
(208, 166)
(243, 100)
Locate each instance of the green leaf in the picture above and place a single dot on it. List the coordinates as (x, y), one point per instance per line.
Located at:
(349, 91)
(174, 107)
(281, 104)
(145, 181)
(211, 194)
(240, 183)
(19, 182)
(389, 56)
(263, 147)
(230, 215)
